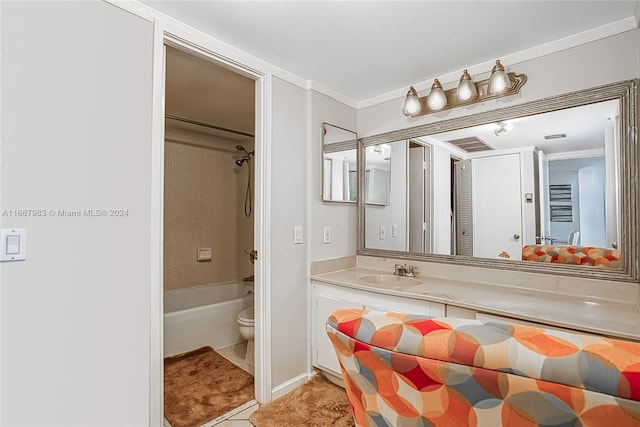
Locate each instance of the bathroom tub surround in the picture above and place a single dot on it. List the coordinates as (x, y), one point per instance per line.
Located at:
(596, 309)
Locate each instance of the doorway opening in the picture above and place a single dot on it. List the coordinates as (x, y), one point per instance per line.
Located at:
(209, 238)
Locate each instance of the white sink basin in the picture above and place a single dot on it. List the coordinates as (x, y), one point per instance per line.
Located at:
(390, 280)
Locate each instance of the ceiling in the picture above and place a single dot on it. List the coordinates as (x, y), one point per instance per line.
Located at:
(201, 91)
(362, 49)
(584, 127)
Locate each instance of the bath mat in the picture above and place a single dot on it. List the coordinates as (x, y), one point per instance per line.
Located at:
(201, 385)
(317, 403)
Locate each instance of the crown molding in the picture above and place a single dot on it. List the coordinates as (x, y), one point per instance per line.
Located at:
(319, 87)
(617, 27)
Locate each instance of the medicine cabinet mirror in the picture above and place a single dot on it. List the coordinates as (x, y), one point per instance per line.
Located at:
(339, 164)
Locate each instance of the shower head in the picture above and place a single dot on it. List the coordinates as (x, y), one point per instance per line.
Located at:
(240, 162)
(241, 148)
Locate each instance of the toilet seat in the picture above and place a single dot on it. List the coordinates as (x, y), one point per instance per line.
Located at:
(245, 317)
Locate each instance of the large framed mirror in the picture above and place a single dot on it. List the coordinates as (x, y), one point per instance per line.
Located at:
(550, 186)
(339, 164)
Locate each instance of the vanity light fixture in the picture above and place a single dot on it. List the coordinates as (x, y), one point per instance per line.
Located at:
(499, 84)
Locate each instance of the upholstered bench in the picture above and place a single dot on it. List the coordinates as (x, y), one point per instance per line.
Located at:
(410, 370)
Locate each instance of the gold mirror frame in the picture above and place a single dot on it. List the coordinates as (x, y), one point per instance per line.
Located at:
(626, 92)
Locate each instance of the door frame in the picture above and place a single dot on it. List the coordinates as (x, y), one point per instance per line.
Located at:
(200, 45)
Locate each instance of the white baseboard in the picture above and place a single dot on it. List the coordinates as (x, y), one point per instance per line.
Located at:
(293, 383)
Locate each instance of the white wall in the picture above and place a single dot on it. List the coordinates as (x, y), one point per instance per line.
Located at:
(289, 263)
(395, 213)
(592, 219)
(528, 179)
(76, 134)
(441, 201)
(341, 217)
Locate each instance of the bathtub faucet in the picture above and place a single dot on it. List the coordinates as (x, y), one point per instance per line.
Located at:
(248, 279)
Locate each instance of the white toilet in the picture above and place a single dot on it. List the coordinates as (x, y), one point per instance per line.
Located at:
(246, 323)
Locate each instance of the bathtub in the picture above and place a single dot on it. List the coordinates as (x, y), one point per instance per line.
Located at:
(204, 316)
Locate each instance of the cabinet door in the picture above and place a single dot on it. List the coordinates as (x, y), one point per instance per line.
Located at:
(402, 305)
(460, 312)
(411, 307)
(325, 355)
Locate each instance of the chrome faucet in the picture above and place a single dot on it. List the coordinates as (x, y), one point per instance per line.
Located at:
(404, 270)
(411, 271)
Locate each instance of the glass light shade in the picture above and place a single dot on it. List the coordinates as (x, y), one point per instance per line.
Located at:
(466, 88)
(499, 80)
(437, 98)
(411, 103)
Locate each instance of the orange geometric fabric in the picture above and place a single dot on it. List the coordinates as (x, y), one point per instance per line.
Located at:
(573, 254)
(408, 370)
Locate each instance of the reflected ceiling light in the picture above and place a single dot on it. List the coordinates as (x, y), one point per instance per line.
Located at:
(499, 80)
(411, 103)
(468, 92)
(502, 128)
(437, 98)
(466, 88)
(384, 150)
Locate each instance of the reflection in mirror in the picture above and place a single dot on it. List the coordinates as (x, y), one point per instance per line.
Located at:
(377, 175)
(541, 191)
(339, 166)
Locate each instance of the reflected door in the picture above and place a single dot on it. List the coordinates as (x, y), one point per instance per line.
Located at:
(497, 215)
(419, 199)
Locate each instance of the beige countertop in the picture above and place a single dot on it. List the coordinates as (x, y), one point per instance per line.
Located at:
(590, 314)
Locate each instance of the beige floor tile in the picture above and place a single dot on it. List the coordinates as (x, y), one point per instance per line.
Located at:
(235, 423)
(244, 415)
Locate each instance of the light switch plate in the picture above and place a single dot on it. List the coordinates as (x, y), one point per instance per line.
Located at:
(297, 235)
(326, 235)
(382, 232)
(13, 244)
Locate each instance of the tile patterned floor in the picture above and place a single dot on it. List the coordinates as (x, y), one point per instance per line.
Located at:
(239, 417)
(235, 354)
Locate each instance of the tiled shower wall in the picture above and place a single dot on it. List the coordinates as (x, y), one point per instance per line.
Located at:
(204, 195)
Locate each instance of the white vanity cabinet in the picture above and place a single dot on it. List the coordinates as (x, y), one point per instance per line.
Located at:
(326, 298)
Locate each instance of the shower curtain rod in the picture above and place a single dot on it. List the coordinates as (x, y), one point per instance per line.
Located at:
(193, 122)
